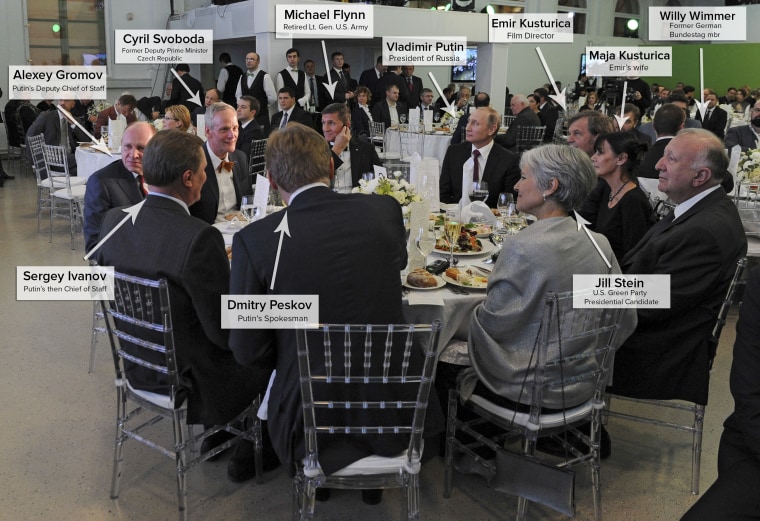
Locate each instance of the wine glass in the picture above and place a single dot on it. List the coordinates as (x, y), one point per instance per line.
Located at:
(451, 229)
(402, 118)
(425, 241)
(497, 237)
(479, 191)
(368, 176)
(250, 212)
(437, 117)
(503, 202)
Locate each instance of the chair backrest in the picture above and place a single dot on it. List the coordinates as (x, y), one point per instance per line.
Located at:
(57, 164)
(361, 380)
(529, 136)
(507, 120)
(377, 130)
(140, 330)
(572, 355)
(559, 137)
(411, 142)
(36, 144)
(256, 164)
(725, 306)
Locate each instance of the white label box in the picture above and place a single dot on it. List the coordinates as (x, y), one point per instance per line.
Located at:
(698, 23)
(64, 282)
(621, 291)
(57, 81)
(530, 28)
(629, 61)
(324, 21)
(163, 46)
(269, 311)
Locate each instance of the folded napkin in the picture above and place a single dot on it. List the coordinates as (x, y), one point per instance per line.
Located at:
(478, 212)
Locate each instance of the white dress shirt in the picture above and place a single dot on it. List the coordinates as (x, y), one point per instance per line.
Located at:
(268, 85)
(227, 196)
(303, 100)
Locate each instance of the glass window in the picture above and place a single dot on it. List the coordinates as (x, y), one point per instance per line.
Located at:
(578, 9)
(627, 19)
(65, 32)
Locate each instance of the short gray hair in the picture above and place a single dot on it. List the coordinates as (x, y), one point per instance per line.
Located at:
(711, 155)
(213, 109)
(570, 166)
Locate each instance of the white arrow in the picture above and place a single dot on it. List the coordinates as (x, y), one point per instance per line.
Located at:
(329, 86)
(131, 212)
(451, 109)
(98, 145)
(582, 224)
(283, 230)
(701, 105)
(195, 98)
(622, 118)
(558, 96)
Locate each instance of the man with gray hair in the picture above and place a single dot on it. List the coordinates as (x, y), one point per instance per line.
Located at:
(226, 169)
(698, 244)
(524, 117)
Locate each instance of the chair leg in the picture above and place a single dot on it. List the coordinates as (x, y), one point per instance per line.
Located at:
(180, 448)
(595, 463)
(451, 426)
(696, 450)
(118, 457)
(308, 499)
(413, 497)
(258, 446)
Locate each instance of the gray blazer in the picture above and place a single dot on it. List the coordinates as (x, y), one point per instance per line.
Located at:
(541, 258)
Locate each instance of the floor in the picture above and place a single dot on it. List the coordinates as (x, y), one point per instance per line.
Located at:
(56, 446)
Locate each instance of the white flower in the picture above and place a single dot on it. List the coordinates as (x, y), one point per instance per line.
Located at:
(748, 169)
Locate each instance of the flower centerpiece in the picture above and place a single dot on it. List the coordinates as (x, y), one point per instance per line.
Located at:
(394, 185)
(748, 169)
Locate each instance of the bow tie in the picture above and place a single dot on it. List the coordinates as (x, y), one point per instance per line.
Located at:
(251, 73)
(225, 165)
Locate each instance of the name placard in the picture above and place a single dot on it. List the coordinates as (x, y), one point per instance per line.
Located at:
(163, 46)
(64, 282)
(629, 61)
(698, 23)
(269, 311)
(424, 51)
(530, 28)
(621, 291)
(324, 21)
(57, 81)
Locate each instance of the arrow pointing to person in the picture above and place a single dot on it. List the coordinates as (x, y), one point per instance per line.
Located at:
(702, 105)
(195, 98)
(97, 145)
(582, 224)
(622, 118)
(131, 212)
(283, 230)
(329, 86)
(558, 96)
(451, 109)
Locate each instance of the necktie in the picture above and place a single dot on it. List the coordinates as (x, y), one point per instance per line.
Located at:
(225, 165)
(284, 120)
(64, 134)
(475, 165)
(343, 80)
(141, 182)
(707, 116)
(411, 85)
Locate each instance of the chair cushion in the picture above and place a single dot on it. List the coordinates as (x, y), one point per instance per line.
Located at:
(77, 192)
(161, 400)
(372, 465)
(547, 421)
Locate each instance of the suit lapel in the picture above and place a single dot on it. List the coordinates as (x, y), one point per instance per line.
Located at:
(211, 182)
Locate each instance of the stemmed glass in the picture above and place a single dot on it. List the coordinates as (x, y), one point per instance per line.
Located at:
(497, 237)
(425, 241)
(479, 191)
(503, 202)
(451, 228)
(401, 120)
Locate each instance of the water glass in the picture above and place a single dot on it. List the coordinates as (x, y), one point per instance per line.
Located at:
(368, 176)
(502, 204)
(425, 241)
(249, 211)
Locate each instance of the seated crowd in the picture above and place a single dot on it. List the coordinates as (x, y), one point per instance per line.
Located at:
(188, 185)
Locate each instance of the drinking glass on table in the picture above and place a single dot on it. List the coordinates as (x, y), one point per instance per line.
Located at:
(479, 191)
(104, 134)
(368, 176)
(503, 202)
(425, 241)
(452, 227)
(247, 208)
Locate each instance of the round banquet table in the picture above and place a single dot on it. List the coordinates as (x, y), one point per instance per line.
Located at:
(90, 160)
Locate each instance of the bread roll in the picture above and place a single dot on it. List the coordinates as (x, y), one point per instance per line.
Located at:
(420, 278)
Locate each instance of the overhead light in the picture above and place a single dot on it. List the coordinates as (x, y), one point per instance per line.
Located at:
(488, 9)
(632, 25)
(571, 14)
(56, 28)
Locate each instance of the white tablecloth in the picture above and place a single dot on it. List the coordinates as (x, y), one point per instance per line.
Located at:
(435, 145)
(90, 161)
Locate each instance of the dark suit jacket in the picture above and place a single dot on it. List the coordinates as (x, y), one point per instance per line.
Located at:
(363, 156)
(382, 112)
(526, 117)
(742, 136)
(668, 355)
(501, 173)
(656, 151)
(549, 116)
(411, 97)
(335, 241)
(369, 79)
(48, 124)
(717, 122)
(323, 97)
(340, 91)
(208, 206)
(360, 122)
(110, 187)
(298, 115)
(180, 96)
(167, 242)
(246, 136)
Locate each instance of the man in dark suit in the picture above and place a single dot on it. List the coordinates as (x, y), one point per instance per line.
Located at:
(124, 106)
(289, 110)
(412, 87)
(549, 113)
(50, 123)
(479, 159)
(334, 240)
(180, 95)
(482, 99)
(336, 75)
(212, 96)
(372, 79)
(226, 168)
(716, 118)
(165, 241)
(352, 155)
(119, 184)
(390, 109)
(733, 495)
(524, 117)
(247, 107)
(746, 136)
(319, 98)
(668, 355)
(392, 76)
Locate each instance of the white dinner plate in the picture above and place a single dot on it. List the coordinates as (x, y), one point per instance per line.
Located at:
(470, 286)
(439, 283)
(487, 248)
(230, 227)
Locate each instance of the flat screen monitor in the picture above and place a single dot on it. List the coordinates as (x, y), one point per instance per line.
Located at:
(468, 71)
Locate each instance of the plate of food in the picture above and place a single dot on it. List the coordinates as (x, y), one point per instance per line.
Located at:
(421, 279)
(482, 230)
(466, 277)
(468, 244)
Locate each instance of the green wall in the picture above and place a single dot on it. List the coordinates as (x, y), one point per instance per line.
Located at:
(733, 64)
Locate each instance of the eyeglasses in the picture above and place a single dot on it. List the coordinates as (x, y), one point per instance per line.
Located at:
(167, 118)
